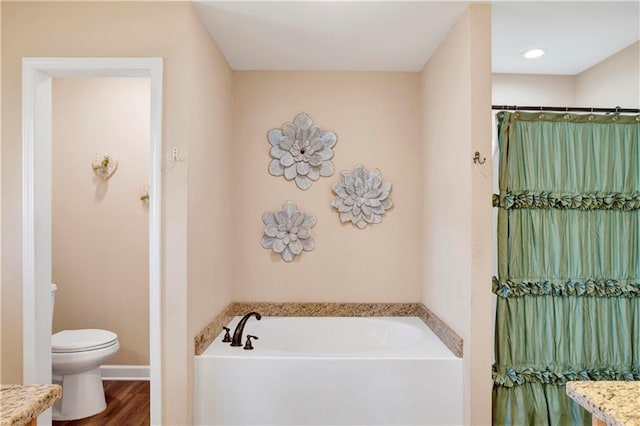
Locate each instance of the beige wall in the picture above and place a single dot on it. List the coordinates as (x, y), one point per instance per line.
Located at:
(51, 29)
(376, 118)
(120, 29)
(100, 229)
(210, 188)
(612, 82)
(456, 96)
(210, 180)
(533, 90)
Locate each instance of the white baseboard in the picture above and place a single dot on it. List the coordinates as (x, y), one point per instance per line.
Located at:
(124, 372)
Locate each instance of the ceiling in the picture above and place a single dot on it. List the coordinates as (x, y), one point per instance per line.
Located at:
(402, 35)
(577, 35)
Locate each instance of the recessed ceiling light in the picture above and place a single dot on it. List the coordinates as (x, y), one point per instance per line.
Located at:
(534, 53)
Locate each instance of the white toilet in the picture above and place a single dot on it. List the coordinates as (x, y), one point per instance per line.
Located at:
(76, 356)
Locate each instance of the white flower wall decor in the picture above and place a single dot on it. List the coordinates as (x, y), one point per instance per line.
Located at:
(288, 231)
(362, 197)
(301, 151)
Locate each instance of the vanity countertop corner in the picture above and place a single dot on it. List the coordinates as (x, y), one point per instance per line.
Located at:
(22, 404)
(613, 403)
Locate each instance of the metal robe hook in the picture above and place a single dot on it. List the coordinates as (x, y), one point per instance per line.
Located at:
(476, 158)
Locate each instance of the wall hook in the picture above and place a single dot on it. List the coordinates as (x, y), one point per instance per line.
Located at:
(476, 158)
(144, 194)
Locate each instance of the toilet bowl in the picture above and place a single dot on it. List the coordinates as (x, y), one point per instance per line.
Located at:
(76, 356)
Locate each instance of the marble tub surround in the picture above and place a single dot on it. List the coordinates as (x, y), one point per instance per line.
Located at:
(20, 404)
(288, 309)
(327, 309)
(442, 330)
(615, 403)
(204, 338)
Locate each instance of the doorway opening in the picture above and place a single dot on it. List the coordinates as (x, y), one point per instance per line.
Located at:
(37, 76)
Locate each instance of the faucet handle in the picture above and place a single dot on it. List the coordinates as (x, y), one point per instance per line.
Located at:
(227, 336)
(248, 346)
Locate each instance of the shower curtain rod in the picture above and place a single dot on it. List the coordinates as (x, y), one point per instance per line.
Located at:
(615, 110)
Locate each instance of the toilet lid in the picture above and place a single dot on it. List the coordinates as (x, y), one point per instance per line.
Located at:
(82, 340)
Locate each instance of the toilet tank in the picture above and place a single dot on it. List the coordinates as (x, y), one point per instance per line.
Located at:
(54, 288)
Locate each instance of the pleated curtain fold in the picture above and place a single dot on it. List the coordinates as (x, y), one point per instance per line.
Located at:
(568, 284)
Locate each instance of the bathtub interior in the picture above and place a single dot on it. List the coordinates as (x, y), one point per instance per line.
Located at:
(373, 337)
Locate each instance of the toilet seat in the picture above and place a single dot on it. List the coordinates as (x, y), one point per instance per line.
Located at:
(71, 341)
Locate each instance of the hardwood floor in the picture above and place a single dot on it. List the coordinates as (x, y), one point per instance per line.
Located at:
(127, 405)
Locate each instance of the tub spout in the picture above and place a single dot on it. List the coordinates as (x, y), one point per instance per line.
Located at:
(237, 334)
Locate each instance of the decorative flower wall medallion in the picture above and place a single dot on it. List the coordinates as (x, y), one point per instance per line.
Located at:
(362, 197)
(288, 231)
(301, 151)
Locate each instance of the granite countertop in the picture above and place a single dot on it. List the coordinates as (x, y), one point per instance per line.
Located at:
(615, 403)
(19, 404)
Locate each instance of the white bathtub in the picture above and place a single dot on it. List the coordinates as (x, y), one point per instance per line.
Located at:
(330, 371)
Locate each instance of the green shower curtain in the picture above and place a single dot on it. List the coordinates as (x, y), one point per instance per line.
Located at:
(568, 284)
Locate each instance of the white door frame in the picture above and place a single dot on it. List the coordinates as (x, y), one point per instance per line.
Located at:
(37, 75)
